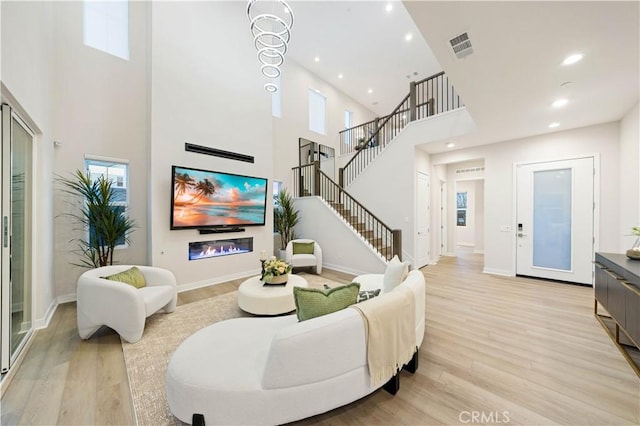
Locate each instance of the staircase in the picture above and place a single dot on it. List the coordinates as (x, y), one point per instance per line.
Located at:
(311, 181)
(426, 98)
(431, 96)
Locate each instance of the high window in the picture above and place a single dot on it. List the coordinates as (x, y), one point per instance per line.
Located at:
(117, 171)
(106, 26)
(317, 112)
(276, 99)
(348, 123)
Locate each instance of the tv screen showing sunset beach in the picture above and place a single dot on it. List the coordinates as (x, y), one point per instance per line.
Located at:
(204, 198)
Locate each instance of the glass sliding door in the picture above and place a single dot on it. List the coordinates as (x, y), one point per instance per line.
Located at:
(17, 150)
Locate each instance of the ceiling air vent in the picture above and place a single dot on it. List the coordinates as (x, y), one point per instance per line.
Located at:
(461, 45)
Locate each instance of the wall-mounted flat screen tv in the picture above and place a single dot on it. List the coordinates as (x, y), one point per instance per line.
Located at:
(208, 199)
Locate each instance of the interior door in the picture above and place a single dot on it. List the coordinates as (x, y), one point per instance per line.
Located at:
(423, 238)
(554, 220)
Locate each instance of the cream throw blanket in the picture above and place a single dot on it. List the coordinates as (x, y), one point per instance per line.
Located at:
(390, 330)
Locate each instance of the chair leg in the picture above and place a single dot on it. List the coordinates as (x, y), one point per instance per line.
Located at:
(197, 420)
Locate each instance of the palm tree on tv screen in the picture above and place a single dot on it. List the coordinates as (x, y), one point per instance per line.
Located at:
(183, 182)
(204, 188)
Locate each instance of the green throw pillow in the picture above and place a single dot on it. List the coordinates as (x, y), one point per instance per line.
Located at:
(131, 276)
(314, 302)
(303, 248)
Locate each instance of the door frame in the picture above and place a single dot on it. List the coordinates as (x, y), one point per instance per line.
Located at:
(596, 201)
(429, 259)
(11, 110)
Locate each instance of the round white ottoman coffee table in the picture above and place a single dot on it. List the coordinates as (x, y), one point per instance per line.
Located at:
(259, 299)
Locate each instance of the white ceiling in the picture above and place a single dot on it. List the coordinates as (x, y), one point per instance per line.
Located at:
(511, 79)
(365, 43)
(515, 72)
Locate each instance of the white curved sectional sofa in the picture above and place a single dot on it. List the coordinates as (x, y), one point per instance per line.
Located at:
(274, 370)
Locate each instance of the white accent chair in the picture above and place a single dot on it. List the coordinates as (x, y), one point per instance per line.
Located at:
(304, 260)
(121, 306)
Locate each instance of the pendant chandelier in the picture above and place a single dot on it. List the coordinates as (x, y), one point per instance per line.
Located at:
(271, 23)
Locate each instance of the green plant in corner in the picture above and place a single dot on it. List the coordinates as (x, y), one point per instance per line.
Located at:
(285, 217)
(105, 223)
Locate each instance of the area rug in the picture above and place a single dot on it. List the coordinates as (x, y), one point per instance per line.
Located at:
(147, 360)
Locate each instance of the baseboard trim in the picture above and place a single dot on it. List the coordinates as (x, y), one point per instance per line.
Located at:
(217, 280)
(44, 322)
(346, 270)
(501, 272)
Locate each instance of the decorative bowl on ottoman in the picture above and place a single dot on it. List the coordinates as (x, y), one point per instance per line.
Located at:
(277, 279)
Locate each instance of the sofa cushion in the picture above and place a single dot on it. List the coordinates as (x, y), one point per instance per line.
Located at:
(131, 276)
(303, 248)
(393, 274)
(315, 302)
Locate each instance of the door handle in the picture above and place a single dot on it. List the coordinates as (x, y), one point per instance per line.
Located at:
(521, 234)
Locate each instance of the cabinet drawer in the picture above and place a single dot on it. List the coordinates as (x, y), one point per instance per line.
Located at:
(600, 285)
(615, 297)
(632, 311)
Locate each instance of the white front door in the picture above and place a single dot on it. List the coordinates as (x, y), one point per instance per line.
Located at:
(554, 220)
(423, 251)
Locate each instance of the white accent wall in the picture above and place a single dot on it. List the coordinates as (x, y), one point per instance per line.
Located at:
(629, 176)
(499, 158)
(26, 73)
(100, 108)
(207, 91)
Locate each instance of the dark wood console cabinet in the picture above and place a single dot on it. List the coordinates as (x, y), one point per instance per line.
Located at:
(617, 289)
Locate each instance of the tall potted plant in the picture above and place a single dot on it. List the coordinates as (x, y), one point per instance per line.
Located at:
(104, 223)
(285, 217)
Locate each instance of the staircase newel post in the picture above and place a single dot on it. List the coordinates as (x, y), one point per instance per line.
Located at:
(397, 243)
(412, 101)
(316, 178)
(341, 177)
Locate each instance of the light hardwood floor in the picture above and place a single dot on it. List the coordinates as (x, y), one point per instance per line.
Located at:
(496, 350)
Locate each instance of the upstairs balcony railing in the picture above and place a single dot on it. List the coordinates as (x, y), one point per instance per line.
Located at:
(428, 97)
(309, 180)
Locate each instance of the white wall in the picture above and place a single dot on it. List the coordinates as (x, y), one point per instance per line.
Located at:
(207, 91)
(629, 175)
(499, 192)
(342, 249)
(294, 124)
(26, 69)
(390, 179)
(101, 108)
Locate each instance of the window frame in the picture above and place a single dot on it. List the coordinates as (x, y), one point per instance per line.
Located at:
(111, 163)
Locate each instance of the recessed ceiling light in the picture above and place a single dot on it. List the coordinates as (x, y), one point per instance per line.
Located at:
(316, 59)
(553, 125)
(451, 145)
(389, 7)
(572, 59)
(408, 37)
(340, 76)
(370, 91)
(559, 103)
